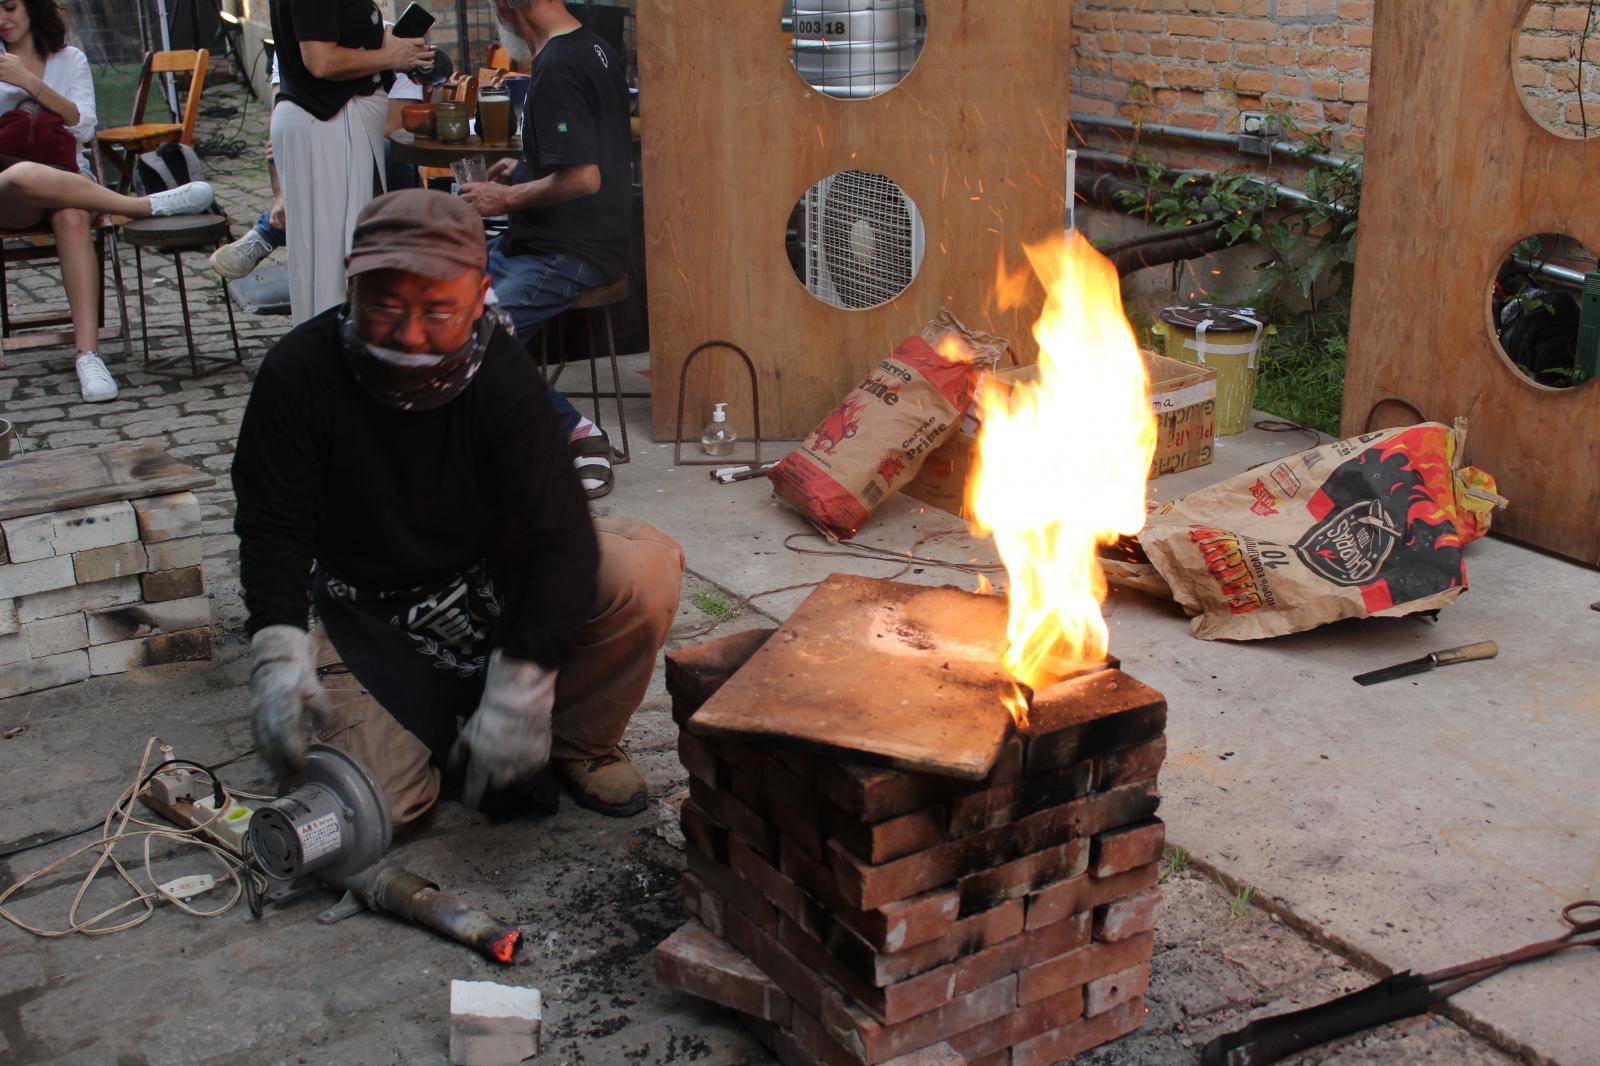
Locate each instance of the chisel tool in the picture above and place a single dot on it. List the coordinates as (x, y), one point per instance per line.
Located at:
(1467, 653)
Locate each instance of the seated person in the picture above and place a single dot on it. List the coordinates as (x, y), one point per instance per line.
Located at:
(41, 74)
(569, 196)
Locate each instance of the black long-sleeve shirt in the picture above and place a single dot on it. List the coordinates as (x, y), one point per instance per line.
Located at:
(392, 500)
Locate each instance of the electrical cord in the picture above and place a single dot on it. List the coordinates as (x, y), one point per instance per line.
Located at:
(235, 868)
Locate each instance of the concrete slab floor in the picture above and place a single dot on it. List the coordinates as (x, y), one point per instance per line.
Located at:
(1450, 818)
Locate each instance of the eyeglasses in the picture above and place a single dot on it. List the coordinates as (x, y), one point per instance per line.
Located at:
(396, 316)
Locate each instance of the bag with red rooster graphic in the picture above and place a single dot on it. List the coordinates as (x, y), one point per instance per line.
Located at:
(875, 441)
(1373, 526)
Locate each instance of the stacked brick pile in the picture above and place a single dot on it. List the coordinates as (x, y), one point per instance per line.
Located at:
(860, 915)
(99, 590)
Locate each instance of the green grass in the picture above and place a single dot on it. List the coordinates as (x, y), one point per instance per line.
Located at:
(1302, 380)
(713, 604)
(1174, 860)
(113, 95)
(1238, 902)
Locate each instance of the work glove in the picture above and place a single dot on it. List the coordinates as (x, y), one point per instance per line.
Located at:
(284, 691)
(508, 736)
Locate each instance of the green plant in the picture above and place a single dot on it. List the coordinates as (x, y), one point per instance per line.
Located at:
(1238, 901)
(1301, 378)
(1174, 860)
(713, 604)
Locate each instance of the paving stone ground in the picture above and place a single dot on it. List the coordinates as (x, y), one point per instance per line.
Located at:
(1212, 970)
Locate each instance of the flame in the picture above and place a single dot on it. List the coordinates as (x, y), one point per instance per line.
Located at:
(1062, 463)
(505, 946)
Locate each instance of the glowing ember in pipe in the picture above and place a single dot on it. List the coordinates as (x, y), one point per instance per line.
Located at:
(1062, 462)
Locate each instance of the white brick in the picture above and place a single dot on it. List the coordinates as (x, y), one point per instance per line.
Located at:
(132, 620)
(42, 575)
(36, 674)
(168, 517)
(493, 1023)
(187, 646)
(105, 564)
(52, 636)
(14, 649)
(172, 554)
(63, 532)
(10, 621)
(78, 598)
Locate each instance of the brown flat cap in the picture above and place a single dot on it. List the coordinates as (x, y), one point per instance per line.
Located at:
(418, 231)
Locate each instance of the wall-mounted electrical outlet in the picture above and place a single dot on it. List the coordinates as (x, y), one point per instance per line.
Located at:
(1253, 123)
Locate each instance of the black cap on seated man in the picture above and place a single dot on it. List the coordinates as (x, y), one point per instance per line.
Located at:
(400, 471)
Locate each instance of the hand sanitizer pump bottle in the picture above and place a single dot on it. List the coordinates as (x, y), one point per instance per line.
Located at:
(718, 437)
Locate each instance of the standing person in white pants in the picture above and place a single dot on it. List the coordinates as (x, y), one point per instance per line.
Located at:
(335, 61)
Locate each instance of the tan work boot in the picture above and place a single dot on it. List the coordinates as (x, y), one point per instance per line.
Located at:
(608, 784)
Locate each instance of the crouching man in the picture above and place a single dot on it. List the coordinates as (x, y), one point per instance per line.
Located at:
(400, 470)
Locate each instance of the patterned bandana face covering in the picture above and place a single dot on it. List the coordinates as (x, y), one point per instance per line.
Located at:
(413, 381)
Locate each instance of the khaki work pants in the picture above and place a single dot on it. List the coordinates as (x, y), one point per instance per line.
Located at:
(641, 573)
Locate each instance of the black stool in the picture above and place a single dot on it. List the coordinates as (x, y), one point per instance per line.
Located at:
(176, 234)
(601, 299)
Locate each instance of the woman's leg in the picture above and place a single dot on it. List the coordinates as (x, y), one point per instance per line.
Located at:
(39, 188)
(80, 273)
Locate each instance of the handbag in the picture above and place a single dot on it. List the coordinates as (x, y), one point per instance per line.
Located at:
(31, 133)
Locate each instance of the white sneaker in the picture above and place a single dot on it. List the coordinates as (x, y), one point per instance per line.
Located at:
(239, 258)
(94, 379)
(190, 199)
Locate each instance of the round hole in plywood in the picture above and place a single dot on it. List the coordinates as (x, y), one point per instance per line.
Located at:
(1557, 66)
(856, 240)
(1537, 305)
(854, 49)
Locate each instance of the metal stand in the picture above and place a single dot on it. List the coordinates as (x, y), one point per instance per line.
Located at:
(755, 403)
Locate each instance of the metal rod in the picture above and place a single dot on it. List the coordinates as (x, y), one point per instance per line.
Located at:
(1286, 192)
(1217, 137)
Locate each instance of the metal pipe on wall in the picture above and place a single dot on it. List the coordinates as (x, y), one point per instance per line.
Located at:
(1181, 133)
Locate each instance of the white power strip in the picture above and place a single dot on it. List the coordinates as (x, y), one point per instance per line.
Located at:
(228, 829)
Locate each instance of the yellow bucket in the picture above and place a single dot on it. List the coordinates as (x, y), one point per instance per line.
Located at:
(1227, 339)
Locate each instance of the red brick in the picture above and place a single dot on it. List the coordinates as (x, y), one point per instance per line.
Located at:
(697, 759)
(1128, 916)
(1057, 786)
(894, 927)
(1016, 879)
(1088, 816)
(1217, 52)
(1021, 1024)
(809, 1045)
(1118, 850)
(984, 809)
(792, 806)
(703, 903)
(733, 813)
(1250, 55)
(1115, 989)
(893, 838)
(1250, 29)
(696, 961)
(1139, 23)
(1076, 968)
(1131, 764)
(872, 1043)
(1356, 91)
(1355, 10)
(1020, 952)
(1253, 81)
(1184, 77)
(773, 886)
(867, 886)
(1188, 26)
(694, 673)
(1359, 36)
(1328, 36)
(971, 934)
(870, 794)
(798, 981)
(704, 832)
(1073, 1040)
(1325, 88)
(940, 1054)
(1105, 711)
(889, 1005)
(1291, 85)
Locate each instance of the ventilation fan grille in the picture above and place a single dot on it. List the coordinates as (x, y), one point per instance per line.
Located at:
(861, 242)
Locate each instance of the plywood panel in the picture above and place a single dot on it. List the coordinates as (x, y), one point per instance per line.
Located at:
(732, 138)
(1457, 173)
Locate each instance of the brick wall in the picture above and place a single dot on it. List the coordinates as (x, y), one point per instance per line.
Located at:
(1198, 63)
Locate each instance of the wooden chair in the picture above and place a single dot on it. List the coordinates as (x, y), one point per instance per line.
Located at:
(500, 59)
(125, 143)
(37, 243)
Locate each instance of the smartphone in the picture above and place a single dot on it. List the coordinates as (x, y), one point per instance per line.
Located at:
(415, 22)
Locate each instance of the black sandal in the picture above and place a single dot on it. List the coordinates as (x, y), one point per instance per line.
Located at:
(585, 452)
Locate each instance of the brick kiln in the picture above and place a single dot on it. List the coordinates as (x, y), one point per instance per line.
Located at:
(883, 867)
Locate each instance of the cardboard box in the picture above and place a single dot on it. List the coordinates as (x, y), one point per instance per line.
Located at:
(1185, 400)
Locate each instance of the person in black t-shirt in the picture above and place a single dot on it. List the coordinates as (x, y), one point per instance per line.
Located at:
(569, 195)
(400, 470)
(335, 62)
